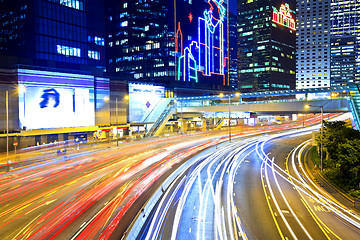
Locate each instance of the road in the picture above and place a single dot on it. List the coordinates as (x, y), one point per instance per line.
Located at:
(252, 188)
(96, 192)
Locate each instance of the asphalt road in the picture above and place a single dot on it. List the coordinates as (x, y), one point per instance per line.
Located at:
(97, 192)
(253, 188)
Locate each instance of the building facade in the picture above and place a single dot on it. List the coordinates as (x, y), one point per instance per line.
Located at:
(173, 43)
(313, 44)
(53, 33)
(327, 43)
(266, 45)
(53, 49)
(345, 42)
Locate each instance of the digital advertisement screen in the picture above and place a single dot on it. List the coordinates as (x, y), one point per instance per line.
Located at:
(143, 99)
(55, 107)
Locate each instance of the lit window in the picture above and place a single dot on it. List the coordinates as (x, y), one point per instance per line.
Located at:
(94, 55)
(68, 51)
(76, 4)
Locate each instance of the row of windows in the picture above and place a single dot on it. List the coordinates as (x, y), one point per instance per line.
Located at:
(76, 52)
(97, 40)
(68, 51)
(75, 4)
(266, 69)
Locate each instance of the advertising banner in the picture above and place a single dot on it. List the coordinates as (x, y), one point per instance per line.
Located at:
(47, 107)
(143, 99)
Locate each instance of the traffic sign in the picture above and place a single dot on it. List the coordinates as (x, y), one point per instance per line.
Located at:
(15, 144)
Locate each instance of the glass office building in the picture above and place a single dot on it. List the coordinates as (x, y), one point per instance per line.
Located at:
(345, 42)
(266, 45)
(56, 47)
(327, 43)
(63, 34)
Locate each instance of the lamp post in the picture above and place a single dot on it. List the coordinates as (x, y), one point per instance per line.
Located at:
(116, 109)
(7, 123)
(229, 120)
(321, 133)
(182, 120)
(221, 95)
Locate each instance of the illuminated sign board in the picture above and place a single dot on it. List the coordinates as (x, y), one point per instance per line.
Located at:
(283, 16)
(55, 100)
(143, 98)
(57, 107)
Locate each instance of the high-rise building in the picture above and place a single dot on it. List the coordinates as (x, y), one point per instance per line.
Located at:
(180, 44)
(53, 33)
(345, 42)
(233, 64)
(52, 60)
(313, 44)
(328, 47)
(266, 45)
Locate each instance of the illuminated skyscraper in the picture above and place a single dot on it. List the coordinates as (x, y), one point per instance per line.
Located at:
(313, 44)
(266, 45)
(345, 42)
(327, 43)
(56, 47)
(68, 35)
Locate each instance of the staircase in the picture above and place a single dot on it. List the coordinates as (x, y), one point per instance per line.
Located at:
(354, 103)
(159, 124)
(155, 113)
(219, 124)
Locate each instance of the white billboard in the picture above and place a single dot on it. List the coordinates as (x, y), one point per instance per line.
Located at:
(142, 100)
(57, 107)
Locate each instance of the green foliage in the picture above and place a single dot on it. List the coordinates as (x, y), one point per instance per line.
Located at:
(315, 156)
(342, 145)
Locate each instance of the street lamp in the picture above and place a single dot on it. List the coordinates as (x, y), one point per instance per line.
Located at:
(321, 134)
(117, 123)
(7, 123)
(221, 95)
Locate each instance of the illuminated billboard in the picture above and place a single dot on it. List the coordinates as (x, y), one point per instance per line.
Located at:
(55, 100)
(143, 98)
(56, 108)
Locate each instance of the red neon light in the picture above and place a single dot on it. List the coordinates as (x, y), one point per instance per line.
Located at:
(191, 17)
(283, 17)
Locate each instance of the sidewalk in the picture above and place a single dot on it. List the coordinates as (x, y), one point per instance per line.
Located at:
(315, 175)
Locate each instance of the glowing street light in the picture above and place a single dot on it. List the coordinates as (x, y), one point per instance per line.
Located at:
(222, 95)
(322, 127)
(21, 89)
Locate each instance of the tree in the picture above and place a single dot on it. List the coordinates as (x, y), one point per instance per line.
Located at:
(349, 159)
(342, 145)
(335, 133)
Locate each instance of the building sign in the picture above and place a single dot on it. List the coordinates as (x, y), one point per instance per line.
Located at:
(284, 17)
(143, 98)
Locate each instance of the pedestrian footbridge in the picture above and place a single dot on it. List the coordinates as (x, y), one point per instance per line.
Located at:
(336, 99)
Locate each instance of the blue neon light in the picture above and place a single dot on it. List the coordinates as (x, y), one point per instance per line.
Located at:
(207, 54)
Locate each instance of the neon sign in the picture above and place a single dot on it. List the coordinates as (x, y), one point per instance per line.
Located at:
(283, 16)
(207, 54)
